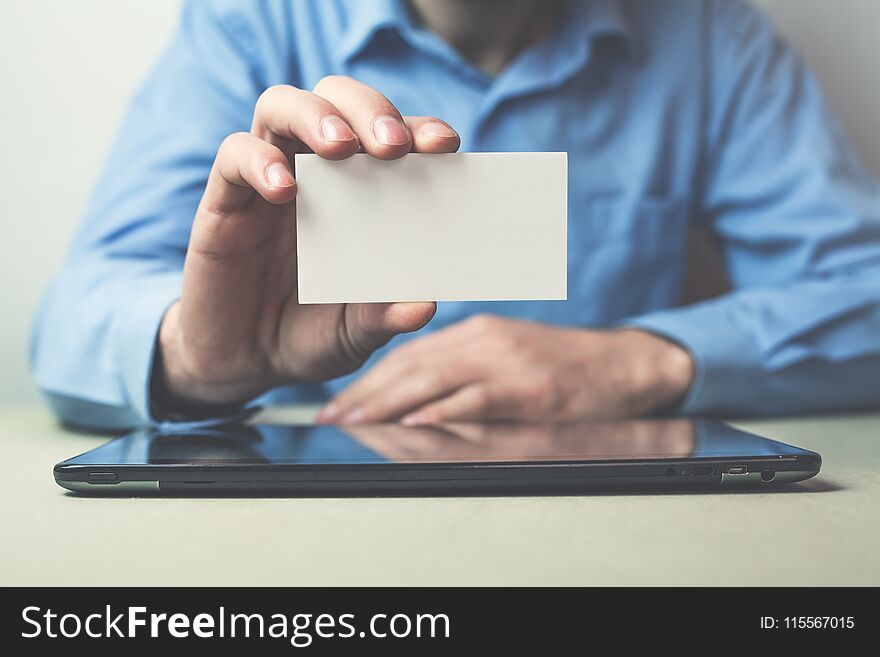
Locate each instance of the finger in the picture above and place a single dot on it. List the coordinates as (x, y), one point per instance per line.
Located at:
(397, 442)
(473, 402)
(376, 122)
(389, 369)
(428, 351)
(472, 432)
(403, 395)
(232, 240)
(432, 135)
(374, 324)
(421, 352)
(297, 120)
(369, 326)
(246, 164)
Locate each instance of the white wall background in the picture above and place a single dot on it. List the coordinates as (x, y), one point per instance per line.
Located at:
(68, 68)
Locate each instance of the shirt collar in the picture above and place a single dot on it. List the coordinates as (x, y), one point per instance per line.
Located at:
(602, 18)
(592, 19)
(365, 19)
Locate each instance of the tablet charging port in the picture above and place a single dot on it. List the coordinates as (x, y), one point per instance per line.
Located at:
(737, 470)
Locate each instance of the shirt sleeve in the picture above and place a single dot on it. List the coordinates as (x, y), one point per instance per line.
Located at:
(797, 217)
(95, 330)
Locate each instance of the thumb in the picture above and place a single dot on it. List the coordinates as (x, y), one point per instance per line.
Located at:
(369, 326)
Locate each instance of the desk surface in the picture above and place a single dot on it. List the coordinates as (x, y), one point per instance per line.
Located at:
(822, 532)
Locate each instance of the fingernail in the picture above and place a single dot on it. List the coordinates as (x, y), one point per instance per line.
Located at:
(412, 420)
(335, 129)
(354, 416)
(279, 175)
(327, 414)
(390, 131)
(437, 129)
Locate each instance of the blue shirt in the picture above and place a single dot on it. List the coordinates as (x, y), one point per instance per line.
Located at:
(674, 114)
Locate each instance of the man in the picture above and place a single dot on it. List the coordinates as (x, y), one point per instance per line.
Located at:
(178, 298)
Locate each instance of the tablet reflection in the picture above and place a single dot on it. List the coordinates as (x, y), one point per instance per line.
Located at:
(452, 442)
(529, 442)
(240, 443)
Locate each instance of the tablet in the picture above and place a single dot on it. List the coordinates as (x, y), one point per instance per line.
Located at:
(456, 458)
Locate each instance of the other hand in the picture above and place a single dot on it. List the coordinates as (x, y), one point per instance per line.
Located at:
(489, 367)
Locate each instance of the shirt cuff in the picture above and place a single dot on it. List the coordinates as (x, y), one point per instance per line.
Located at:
(725, 356)
(135, 334)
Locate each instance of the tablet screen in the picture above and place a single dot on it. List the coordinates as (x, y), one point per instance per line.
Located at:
(458, 442)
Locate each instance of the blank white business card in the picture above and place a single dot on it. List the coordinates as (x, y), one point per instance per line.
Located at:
(446, 227)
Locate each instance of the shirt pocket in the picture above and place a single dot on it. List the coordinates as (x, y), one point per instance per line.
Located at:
(626, 256)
